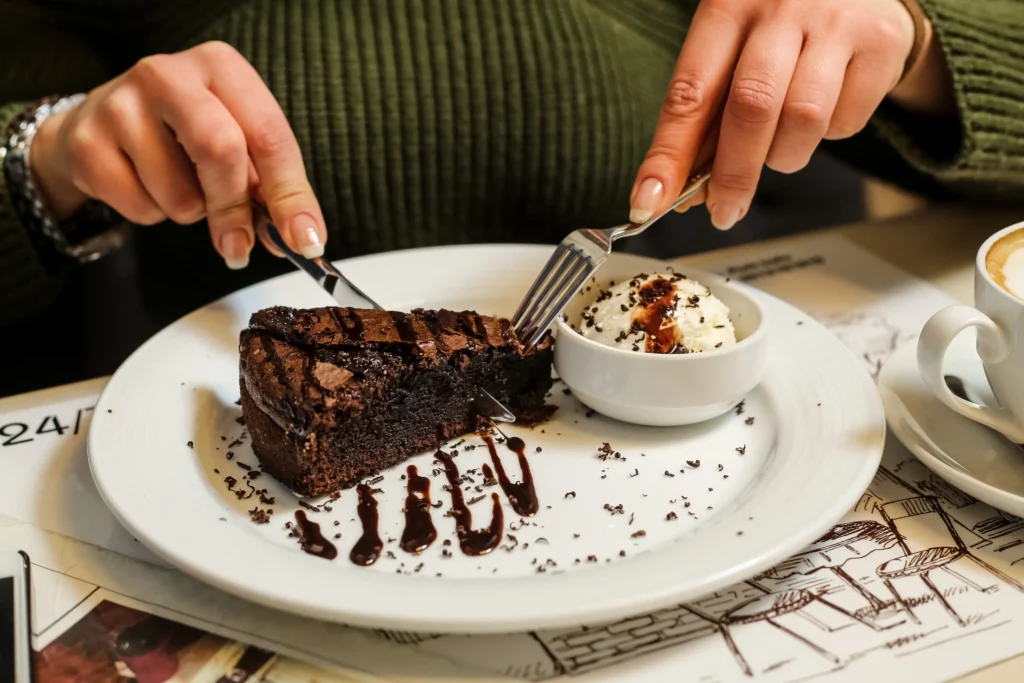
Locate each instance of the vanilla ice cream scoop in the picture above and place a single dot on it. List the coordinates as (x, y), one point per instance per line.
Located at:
(653, 313)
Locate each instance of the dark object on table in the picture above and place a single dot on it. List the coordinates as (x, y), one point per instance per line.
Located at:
(332, 395)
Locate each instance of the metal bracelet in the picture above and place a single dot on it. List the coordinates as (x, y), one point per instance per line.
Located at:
(104, 230)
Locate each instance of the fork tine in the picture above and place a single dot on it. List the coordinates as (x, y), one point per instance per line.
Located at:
(566, 268)
(544, 282)
(567, 293)
(571, 268)
(556, 256)
(571, 279)
(542, 326)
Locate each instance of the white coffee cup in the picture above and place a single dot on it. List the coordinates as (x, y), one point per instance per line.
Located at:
(998, 316)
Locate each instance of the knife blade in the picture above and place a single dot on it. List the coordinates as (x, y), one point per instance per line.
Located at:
(333, 282)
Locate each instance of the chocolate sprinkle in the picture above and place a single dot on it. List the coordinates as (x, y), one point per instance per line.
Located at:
(259, 516)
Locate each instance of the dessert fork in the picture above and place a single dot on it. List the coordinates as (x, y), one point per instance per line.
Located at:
(575, 260)
(331, 279)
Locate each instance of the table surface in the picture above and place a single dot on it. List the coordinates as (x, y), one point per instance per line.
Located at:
(939, 246)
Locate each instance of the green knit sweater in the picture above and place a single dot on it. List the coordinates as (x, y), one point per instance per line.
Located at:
(443, 121)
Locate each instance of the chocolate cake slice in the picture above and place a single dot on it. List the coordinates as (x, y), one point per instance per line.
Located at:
(334, 395)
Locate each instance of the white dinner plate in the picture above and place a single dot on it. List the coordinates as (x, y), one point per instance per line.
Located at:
(976, 459)
(769, 480)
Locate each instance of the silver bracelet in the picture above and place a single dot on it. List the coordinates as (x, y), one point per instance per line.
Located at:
(102, 229)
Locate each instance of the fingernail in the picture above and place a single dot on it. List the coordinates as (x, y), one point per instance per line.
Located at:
(648, 200)
(234, 247)
(724, 216)
(682, 208)
(306, 236)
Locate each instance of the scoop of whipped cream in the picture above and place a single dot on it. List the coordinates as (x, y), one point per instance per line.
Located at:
(653, 313)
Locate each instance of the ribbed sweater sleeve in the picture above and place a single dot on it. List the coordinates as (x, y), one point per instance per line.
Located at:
(983, 41)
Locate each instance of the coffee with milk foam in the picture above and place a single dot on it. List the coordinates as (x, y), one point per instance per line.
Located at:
(1005, 263)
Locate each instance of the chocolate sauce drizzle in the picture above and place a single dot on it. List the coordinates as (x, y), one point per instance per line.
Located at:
(419, 530)
(367, 549)
(471, 541)
(656, 316)
(489, 479)
(310, 538)
(522, 495)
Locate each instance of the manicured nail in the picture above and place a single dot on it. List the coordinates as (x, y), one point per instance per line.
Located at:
(724, 216)
(306, 236)
(648, 200)
(234, 247)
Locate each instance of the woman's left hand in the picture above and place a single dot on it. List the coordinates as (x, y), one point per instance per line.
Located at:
(790, 73)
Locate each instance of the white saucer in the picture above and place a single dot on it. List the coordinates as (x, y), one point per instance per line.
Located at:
(976, 459)
(764, 489)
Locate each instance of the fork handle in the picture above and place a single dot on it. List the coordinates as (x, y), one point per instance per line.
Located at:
(692, 187)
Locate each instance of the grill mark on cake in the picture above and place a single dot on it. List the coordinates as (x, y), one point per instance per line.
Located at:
(343, 329)
(406, 331)
(505, 327)
(522, 495)
(348, 322)
(432, 325)
(271, 354)
(467, 325)
(308, 379)
(419, 530)
(481, 327)
(356, 328)
(367, 549)
(310, 538)
(283, 415)
(435, 328)
(471, 541)
(447, 320)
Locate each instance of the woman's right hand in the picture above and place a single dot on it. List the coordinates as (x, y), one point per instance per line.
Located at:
(184, 136)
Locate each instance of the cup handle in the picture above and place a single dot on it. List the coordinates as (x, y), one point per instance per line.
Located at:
(937, 335)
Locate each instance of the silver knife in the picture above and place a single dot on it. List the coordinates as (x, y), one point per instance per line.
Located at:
(331, 280)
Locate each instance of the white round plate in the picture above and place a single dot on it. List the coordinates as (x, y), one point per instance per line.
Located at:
(770, 480)
(973, 458)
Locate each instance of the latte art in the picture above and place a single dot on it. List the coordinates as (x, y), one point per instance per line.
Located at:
(1005, 263)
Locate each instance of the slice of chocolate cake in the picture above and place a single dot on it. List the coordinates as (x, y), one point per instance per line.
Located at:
(334, 395)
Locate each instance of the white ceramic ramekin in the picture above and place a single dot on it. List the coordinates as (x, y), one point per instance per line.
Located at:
(656, 389)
